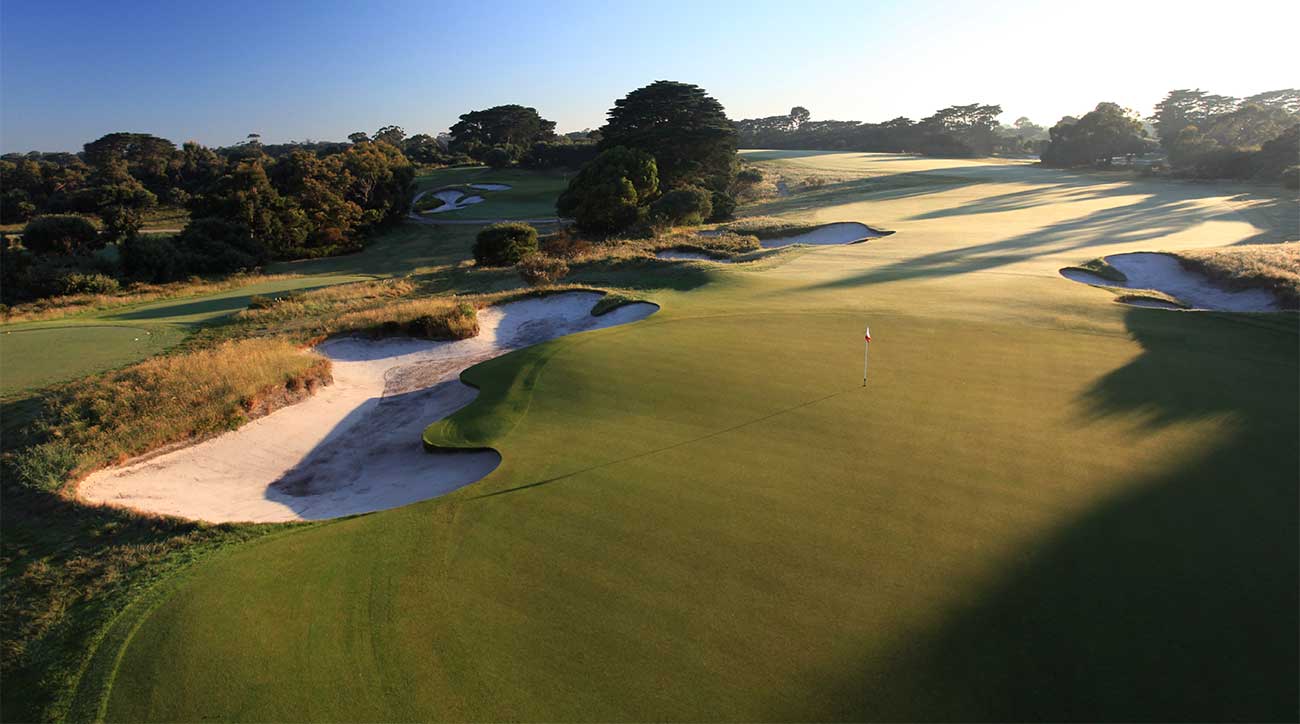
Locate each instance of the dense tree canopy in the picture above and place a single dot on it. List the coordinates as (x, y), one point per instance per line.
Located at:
(1107, 131)
(513, 126)
(682, 127)
(610, 193)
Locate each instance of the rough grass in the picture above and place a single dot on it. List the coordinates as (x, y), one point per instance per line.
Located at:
(53, 308)
(1275, 267)
(111, 417)
(765, 227)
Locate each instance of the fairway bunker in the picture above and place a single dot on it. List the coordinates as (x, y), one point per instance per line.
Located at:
(1163, 273)
(834, 234)
(678, 255)
(355, 446)
(452, 200)
(491, 187)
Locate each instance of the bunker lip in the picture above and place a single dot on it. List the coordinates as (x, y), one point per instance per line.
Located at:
(357, 445)
(686, 255)
(1164, 273)
(491, 187)
(832, 234)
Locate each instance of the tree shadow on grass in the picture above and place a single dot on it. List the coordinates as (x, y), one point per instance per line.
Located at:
(1176, 600)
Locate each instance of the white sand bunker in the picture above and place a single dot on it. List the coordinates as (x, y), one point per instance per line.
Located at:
(675, 255)
(491, 187)
(356, 445)
(840, 232)
(452, 200)
(1163, 273)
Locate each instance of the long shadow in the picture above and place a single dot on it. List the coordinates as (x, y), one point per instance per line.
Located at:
(1176, 601)
(1152, 217)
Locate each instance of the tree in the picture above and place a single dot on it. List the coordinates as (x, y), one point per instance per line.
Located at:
(686, 131)
(971, 128)
(391, 135)
(508, 125)
(498, 157)
(61, 235)
(217, 246)
(799, 116)
(608, 194)
(684, 206)
(1103, 133)
(358, 137)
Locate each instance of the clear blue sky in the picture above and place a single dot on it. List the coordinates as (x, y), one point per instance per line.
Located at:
(214, 71)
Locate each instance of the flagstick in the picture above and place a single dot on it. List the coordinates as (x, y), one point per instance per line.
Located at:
(866, 348)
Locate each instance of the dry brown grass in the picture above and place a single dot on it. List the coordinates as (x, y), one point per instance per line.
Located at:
(175, 398)
(1275, 267)
(64, 306)
(381, 307)
(767, 226)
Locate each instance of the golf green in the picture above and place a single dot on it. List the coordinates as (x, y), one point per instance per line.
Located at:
(1042, 505)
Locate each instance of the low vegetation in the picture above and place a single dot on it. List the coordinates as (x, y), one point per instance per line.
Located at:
(1101, 268)
(175, 398)
(504, 244)
(1275, 267)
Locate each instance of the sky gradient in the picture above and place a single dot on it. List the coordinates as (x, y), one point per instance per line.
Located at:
(213, 72)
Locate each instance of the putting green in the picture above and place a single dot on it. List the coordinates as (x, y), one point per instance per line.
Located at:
(1044, 505)
(36, 356)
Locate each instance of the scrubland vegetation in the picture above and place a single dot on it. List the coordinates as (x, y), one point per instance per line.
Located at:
(1275, 267)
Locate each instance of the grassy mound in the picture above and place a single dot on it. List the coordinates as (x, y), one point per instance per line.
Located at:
(1275, 267)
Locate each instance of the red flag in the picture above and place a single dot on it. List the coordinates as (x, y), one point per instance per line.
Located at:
(868, 334)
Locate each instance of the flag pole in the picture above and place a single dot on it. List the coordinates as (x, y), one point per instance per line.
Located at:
(866, 348)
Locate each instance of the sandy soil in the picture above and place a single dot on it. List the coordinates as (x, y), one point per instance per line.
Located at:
(688, 256)
(355, 446)
(1163, 273)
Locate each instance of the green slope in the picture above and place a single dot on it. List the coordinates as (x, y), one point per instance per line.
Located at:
(1044, 505)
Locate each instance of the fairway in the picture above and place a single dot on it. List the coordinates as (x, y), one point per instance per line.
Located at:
(1044, 505)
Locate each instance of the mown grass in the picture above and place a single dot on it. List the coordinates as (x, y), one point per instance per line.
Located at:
(1275, 267)
(1101, 268)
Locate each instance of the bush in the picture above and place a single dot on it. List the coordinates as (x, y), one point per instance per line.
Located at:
(749, 177)
(608, 194)
(504, 244)
(686, 206)
(93, 283)
(537, 269)
(1291, 178)
(61, 235)
(44, 467)
(723, 207)
(498, 157)
(152, 258)
(217, 246)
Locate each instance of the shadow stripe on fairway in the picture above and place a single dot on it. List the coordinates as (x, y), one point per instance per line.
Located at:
(664, 448)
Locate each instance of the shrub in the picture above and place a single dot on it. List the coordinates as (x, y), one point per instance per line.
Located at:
(723, 207)
(498, 157)
(686, 206)
(93, 283)
(565, 244)
(504, 244)
(61, 235)
(1291, 178)
(607, 194)
(538, 269)
(217, 246)
(749, 177)
(152, 258)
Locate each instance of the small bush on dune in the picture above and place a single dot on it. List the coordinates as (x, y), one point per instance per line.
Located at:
(93, 283)
(61, 235)
(686, 206)
(504, 244)
(538, 269)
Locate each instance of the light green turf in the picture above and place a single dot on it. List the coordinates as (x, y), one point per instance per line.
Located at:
(35, 354)
(531, 195)
(1044, 505)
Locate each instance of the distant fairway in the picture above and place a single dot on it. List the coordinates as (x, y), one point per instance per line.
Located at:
(1044, 505)
(532, 194)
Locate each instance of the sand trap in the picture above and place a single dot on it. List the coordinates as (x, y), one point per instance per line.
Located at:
(452, 199)
(688, 256)
(1163, 273)
(843, 232)
(355, 446)
(491, 187)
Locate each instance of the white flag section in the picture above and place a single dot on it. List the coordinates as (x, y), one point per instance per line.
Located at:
(866, 349)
